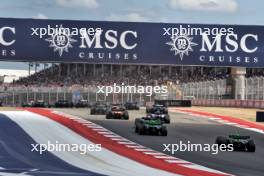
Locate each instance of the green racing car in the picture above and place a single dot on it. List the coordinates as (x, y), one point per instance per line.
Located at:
(151, 126)
(239, 142)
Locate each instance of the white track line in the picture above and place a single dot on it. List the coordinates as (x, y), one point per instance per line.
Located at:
(178, 161)
(165, 157)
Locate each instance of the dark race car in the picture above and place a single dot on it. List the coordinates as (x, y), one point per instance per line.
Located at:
(63, 104)
(99, 109)
(158, 114)
(151, 126)
(82, 104)
(163, 109)
(35, 104)
(117, 112)
(27, 104)
(131, 106)
(240, 143)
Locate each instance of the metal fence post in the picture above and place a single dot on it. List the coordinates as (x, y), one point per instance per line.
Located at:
(258, 89)
(262, 88)
(13, 98)
(246, 89)
(57, 94)
(27, 94)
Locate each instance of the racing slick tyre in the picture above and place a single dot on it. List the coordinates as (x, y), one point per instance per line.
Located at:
(251, 147)
(141, 131)
(167, 119)
(221, 140)
(126, 117)
(136, 129)
(108, 116)
(164, 131)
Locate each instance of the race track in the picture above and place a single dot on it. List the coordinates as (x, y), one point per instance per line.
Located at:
(189, 128)
(20, 129)
(17, 158)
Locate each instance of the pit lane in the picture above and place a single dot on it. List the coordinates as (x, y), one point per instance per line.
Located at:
(185, 128)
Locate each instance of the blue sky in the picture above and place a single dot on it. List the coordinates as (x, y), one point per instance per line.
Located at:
(175, 11)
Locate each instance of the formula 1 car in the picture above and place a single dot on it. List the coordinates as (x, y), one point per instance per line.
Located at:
(160, 115)
(82, 104)
(99, 109)
(155, 107)
(240, 143)
(63, 104)
(150, 125)
(35, 104)
(117, 112)
(131, 106)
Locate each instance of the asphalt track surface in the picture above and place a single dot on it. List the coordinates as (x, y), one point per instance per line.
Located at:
(197, 130)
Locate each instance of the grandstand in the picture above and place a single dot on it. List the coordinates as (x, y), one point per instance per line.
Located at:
(102, 74)
(200, 83)
(183, 81)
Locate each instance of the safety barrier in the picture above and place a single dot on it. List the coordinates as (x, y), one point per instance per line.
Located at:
(175, 103)
(229, 103)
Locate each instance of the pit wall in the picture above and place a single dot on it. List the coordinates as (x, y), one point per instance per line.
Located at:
(258, 104)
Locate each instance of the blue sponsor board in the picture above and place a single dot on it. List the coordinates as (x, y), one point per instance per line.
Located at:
(33, 40)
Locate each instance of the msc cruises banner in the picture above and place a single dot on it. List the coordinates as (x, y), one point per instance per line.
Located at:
(34, 40)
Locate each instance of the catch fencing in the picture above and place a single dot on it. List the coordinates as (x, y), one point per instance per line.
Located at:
(220, 89)
(16, 96)
(204, 90)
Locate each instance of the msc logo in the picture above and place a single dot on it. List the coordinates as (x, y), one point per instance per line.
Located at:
(111, 40)
(229, 43)
(99, 39)
(181, 45)
(3, 39)
(61, 42)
